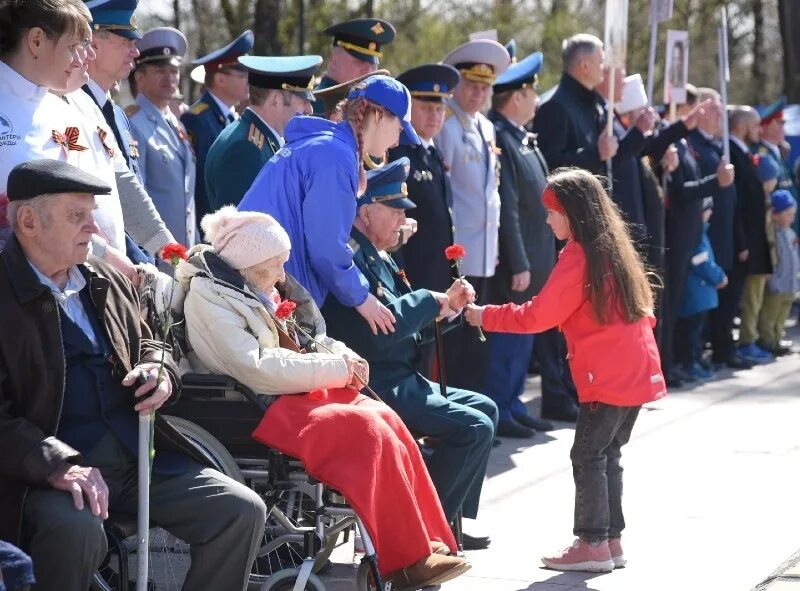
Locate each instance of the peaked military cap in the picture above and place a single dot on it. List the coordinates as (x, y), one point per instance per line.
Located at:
(523, 74)
(430, 82)
(479, 60)
(161, 45)
(511, 48)
(772, 111)
(293, 73)
(115, 16)
(332, 95)
(387, 185)
(40, 177)
(226, 57)
(363, 37)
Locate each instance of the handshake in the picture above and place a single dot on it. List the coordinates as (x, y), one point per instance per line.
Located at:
(459, 295)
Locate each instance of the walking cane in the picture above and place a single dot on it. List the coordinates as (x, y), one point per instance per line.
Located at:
(143, 514)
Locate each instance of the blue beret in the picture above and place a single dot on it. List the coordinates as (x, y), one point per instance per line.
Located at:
(782, 200)
(387, 185)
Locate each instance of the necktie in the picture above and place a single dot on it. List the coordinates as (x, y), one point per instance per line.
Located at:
(108, 113)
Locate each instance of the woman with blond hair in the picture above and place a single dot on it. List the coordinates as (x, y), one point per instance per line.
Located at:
(311, 185)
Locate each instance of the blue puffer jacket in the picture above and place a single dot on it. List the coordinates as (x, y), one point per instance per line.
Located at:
(310, 187)
(700, 292)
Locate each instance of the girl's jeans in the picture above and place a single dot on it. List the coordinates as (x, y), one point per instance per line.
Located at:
(600, 433)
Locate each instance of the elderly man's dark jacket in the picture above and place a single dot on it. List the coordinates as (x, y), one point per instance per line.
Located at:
(568, 126)
(526, 241)
(32, 373)
(754, 208)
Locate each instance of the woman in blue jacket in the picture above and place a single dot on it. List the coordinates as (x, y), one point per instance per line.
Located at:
(311, 184)
(703, 280)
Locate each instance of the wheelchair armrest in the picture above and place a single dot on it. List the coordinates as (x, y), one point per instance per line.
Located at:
(205, 381)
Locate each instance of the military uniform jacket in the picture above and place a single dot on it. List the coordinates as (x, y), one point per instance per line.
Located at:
(723, 227)
(469, 152)
(236, 157)
(392, 358)
(526, 241)
(203, 122)
(422, 257)
(167, 167)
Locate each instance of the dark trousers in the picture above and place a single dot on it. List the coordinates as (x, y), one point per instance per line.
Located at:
(720, 319)
(600, 433)
(463, 425)
(466, 363)
(676, 267)
(558, 389)
(507, 369)
(222, 520)
(688, 342)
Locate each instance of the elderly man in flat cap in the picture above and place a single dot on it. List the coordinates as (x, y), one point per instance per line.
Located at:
(76, 365)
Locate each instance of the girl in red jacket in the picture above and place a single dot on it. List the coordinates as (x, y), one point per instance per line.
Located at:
(599, 295)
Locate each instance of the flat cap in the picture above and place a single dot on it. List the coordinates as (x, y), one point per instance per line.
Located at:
(41, 177)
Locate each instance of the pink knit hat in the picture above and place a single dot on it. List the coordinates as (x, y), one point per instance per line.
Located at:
(244, 238)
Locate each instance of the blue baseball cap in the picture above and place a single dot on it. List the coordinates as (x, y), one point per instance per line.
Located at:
(782, 200)
(394, 97)
(387, 185)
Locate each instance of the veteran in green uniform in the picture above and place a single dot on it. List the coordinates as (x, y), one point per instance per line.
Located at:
(280, 88)
(462, 422)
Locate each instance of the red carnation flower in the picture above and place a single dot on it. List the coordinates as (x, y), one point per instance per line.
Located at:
(174, 253)
(285, 310)
(455, 252)
(756, 159)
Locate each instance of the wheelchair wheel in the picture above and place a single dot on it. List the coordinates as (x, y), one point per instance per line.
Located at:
(365, 581)
(209, 446)
(284, 580)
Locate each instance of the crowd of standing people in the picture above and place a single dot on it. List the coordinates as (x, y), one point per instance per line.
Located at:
(439, 233)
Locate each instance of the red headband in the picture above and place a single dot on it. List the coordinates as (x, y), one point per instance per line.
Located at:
(550, 200)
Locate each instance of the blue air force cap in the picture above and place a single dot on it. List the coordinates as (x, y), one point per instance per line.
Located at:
(226, 57)
(162, 45)
(394, 97)
(115, 16)
(523, 74)
(430, 82)
(39, 177)
(387, 185)
(292, 73)
(363, 37)
(773, 111)
(511, 48)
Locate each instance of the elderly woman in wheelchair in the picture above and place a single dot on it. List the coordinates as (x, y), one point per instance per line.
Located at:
(316, 413)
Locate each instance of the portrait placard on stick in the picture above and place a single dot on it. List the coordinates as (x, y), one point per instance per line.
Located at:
(676, 70)
(660, 11)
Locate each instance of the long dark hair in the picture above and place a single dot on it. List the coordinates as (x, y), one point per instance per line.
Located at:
(55, 17)
(617, 277)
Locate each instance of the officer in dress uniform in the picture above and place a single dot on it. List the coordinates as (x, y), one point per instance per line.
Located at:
(462, 422)
(773, 134)
(469, 151)
(356, 51)
(423, 258)
(527, 245)
(226, 87)
(280, 88)
(166, 159)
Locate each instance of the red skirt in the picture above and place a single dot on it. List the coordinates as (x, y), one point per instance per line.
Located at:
(361, 448)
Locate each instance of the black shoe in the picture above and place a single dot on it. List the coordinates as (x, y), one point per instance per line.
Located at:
(736, 362)
(682, 375)
(496, 442)
(512, 429)
(673, 381)
(565, 414)
(475, 542)
(534, 423)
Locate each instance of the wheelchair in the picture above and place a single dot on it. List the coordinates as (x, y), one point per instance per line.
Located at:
(304, 521)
